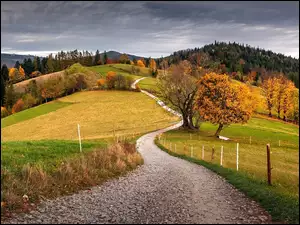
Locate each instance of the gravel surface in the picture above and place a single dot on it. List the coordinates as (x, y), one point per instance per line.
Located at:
(165, 189)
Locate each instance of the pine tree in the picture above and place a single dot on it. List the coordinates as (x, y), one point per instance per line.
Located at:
(4, 73)
(10, 97)
(97, 57)
(17, 65)
(2, 89)
(105, 58)
(49, 65)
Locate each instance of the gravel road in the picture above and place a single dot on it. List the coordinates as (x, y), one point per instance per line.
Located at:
(165, 189)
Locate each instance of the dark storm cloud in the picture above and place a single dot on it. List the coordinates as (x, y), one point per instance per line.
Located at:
(147, 28)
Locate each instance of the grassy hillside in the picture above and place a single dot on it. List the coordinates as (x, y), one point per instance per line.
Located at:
(99, 113)
(33, 112)
(20, 87)
(282, 199)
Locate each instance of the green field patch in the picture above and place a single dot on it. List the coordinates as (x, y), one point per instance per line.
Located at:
(33, 112)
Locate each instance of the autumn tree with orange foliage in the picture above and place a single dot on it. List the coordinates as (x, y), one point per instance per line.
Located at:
(140, 63)
(152, 68)
(18, 106)
(101, 82)
(21, 72)
(270, 88)
(287, 100)
(110, 79)
(221, 102)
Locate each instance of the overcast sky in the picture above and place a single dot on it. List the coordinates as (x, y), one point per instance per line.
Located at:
(147, 28)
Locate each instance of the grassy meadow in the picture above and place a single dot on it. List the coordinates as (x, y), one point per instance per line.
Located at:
(282, 198)
(101, 114)
(33, 112)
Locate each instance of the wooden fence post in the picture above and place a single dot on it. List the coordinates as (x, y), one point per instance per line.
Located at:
(192, 151)
(212, 153)
(237, 156)
(221, 155)
(269, 164)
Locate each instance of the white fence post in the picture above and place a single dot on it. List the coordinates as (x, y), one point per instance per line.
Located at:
(237, 156)
(202, 152)
(79, 137)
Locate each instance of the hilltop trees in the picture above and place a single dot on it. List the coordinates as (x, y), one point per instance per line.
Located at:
(152, 68)
(140, 63)
(220, 102)
(124, 59)
(105, 58)
(97, 58)
(2, 90)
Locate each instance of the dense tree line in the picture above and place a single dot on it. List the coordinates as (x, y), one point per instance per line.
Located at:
(234, 57)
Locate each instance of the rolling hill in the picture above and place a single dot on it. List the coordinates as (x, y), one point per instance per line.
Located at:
(11, 59)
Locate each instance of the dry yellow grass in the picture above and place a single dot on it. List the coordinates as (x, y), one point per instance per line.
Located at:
(20, 87)
(99, 113)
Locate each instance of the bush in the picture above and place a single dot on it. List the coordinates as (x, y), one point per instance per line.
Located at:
(35, 74)
(110, 79)
(101, 83)
(120, 82)
(4, 112)
(19, 106)
(29, 101)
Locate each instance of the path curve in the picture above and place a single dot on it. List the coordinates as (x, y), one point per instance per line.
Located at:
(165, 189)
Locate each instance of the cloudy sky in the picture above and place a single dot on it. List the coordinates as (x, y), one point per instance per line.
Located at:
(147, 28)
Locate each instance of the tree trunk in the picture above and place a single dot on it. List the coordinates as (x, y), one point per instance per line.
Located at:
(219, 130)
(270, 115)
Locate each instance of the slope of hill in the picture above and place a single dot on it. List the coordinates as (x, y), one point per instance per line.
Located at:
(11, 59)
(116, 55)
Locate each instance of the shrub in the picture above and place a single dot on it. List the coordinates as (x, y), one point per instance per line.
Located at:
(110, 79)
(35, 74)
(4, 112)
(19, 106)
(120, 82)
(29, 101)
(101, 82)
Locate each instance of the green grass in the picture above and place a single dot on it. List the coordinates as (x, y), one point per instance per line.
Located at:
(252, 174)
(281, 206)
(148, 84)
(33, 112)
(49, 154)
(252, 157)
(48, 169)
(122, 69)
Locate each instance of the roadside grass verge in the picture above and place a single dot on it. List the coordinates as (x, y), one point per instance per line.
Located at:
(281, 206)
(33, 112)
(148, 84)
(48, 169)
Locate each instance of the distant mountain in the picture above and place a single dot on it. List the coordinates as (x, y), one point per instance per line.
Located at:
(116, 55)
(11, 59)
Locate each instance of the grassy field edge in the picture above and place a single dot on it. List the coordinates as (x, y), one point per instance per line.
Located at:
(281, 207)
